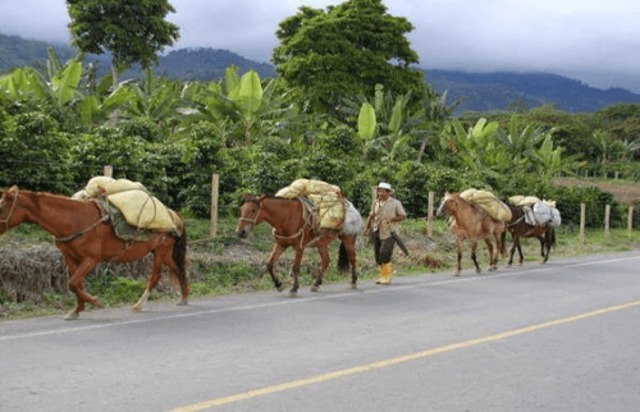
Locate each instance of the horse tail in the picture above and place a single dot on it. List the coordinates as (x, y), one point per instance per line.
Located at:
(179, 255)
(503, 241)
(343, 258)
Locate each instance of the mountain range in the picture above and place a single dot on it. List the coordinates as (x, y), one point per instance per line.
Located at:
(477, 92)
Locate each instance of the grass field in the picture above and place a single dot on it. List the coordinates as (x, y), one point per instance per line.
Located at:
(226, 264)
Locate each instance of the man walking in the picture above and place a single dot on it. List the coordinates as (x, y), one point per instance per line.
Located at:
(382, 224)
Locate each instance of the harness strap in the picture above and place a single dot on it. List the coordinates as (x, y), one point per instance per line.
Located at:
(308, 221)
(103, 219)
(520, 219)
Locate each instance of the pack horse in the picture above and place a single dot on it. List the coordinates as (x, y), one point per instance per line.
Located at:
(468, 221)
(294, 224)
(85, 236)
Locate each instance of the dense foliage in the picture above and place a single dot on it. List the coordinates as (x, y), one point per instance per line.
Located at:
(344, 51)
(133, 31)
(60, 125)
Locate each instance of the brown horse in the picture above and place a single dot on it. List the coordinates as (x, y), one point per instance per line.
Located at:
(519, 228)
(85, 236)
(292, 226)
(468, 221)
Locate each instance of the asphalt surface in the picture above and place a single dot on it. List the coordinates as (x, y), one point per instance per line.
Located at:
(556, 337)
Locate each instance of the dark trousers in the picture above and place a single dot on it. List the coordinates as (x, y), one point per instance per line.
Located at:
(382, 249)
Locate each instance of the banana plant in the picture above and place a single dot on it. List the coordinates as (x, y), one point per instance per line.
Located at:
(549, 159)
(473, 147)
(382, 125)
(242, 101)
(26, 84)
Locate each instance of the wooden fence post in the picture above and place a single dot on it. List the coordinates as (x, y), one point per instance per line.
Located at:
(107, 171)
(215, 184)
(430, 214)
(607, 220)
(583, 212)
(374, 196)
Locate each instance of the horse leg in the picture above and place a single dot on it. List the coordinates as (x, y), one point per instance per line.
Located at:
(545, 248)
(459, 247)
(154, 277)
(474, 249)
(78, 273)
(293, 292)
(324, 264)
(273, 259)
(513, 249)
(351, 254)
(493, 258)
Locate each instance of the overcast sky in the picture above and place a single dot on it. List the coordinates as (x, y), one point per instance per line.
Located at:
(592, 40)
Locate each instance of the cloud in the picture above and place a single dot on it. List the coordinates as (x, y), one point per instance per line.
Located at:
(484, 35)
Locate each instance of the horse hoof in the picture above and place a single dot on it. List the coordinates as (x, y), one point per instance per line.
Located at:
(456, 274)
(314, 288)
(71, 316)
(354, 286)
(182, 302)
(136, 308)
(293, 293)
(280, 288)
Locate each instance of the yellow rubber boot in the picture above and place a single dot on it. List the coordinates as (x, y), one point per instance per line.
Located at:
(386, 271)
(381, 276)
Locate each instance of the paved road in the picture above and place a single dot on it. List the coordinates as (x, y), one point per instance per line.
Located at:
(555, 337)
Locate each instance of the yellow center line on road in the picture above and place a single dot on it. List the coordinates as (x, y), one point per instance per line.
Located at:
(394, 361)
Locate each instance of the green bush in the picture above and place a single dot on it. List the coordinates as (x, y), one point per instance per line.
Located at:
(569, 199)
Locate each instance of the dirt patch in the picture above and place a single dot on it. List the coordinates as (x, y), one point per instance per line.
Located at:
(623, 192)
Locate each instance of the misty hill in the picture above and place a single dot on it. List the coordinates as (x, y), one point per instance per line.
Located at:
(479, 92)
(482, 92)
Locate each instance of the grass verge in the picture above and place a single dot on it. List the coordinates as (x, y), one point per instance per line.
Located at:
(33, 283)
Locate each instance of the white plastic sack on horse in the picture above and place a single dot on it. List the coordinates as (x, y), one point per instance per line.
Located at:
(489, 203)
(325, 197)
(556, 220)
(352, 220)
(542, 213)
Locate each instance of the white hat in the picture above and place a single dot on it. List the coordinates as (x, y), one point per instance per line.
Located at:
(385, 186)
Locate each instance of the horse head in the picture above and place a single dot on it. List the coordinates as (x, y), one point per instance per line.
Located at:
(8, 200)
(249, 213)
(446, 204)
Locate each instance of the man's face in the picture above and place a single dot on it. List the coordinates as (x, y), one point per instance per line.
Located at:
(383, 194)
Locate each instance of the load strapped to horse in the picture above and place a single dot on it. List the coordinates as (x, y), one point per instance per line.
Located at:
(307, 213)
(133, 210)
(533, 218)
(326, 205)
(476, 214)
(537, 212)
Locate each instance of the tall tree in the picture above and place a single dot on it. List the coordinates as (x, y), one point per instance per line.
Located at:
(134, 31)
(346, 50)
